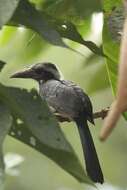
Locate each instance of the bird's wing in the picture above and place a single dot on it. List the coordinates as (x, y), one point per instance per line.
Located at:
(83, 100)
(66, 98)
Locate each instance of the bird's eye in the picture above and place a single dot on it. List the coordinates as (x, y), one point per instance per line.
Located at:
(39, 71)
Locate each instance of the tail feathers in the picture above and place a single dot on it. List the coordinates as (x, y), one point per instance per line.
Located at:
(91, 159)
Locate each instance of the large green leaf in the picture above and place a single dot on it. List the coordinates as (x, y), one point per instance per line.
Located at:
(110, 45)
(70, 9)
(36, 126)
(68, 30)
(51, 29)
(66, 160)
(27, 15)
(7, 8)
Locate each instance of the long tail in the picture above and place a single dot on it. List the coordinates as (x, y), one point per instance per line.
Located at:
(91, 159)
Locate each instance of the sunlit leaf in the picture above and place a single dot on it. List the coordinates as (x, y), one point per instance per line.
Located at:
(6, 35)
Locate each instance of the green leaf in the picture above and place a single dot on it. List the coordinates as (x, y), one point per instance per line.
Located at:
(40, 127)
(111, 44)
(5, 124)
(52, 30)
(86, 8)
(66, 160)
(71, 10)
(7, 8)
(111, 47)
(34, 112)
(2, 64)
(110, 5)
(68, 30)
(27, 15)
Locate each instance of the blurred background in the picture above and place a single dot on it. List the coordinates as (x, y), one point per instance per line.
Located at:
(26, 169)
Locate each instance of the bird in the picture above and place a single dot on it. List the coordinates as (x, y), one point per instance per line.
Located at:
(69, 101)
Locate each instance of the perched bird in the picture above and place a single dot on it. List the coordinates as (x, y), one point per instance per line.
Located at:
(68, 100)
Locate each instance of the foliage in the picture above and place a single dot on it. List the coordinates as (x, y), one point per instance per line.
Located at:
(26, 117)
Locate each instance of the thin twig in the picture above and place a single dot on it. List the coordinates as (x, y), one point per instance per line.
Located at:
(100, 114)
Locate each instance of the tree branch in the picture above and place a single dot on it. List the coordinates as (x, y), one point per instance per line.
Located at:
(100, 114)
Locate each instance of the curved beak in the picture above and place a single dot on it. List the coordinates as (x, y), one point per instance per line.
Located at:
(29, 73)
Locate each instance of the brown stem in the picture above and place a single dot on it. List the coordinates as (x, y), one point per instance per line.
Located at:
(100, 114)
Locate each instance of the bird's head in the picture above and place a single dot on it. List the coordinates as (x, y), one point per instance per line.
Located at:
(40, 71)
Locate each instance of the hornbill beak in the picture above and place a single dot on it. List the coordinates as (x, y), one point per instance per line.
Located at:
(29, 73)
